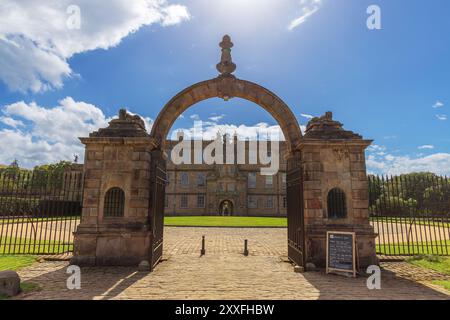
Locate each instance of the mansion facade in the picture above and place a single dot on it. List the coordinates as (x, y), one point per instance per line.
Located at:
(225, 189)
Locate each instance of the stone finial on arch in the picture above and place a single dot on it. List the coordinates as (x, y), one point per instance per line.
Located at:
(226, 86)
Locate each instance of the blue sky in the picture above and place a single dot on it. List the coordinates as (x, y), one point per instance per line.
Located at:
(391, 85)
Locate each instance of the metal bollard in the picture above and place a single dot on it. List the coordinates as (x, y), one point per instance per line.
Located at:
(246, 247)
(203, 251)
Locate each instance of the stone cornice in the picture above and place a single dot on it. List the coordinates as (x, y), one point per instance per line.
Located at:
(148, 141)
(324, 143)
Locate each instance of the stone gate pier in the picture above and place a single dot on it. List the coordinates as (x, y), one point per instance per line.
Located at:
(114, 228)
(335, 189)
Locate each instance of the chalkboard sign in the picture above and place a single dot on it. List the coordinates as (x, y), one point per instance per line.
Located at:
(341, 252)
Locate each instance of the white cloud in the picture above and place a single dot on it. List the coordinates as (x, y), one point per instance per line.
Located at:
(217, 118)
(438, 104)
(307, 116)
(10, 122)
(425, 147)
(376, 148)
(308, 8)
(49, 135)
(210, 129)
(438, 163)
(35, 43)
(441, 117)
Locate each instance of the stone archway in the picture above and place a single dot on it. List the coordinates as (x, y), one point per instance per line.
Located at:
(226, 208)
(226, 86)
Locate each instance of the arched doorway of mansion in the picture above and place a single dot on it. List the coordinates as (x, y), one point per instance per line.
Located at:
(125, 156)
(226, 208)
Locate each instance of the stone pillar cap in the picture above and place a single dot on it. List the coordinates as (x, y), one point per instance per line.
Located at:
(127, 125)
(326, 128)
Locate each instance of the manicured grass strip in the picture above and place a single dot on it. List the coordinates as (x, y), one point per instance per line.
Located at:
(29, 246)
(415, 248)
(207, 221)
(436, 222)
(13, 262)
(443, 283)
(439, 264)
(37, 220)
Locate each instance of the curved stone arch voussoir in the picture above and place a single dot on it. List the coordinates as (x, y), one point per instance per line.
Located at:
(226, 88)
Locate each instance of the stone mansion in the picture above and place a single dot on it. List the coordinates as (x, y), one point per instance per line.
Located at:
(225, 189)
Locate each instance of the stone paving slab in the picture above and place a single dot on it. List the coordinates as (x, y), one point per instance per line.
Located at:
(223, 273)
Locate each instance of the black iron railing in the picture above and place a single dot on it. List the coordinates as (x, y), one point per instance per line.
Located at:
(39, 211)
(411, 214)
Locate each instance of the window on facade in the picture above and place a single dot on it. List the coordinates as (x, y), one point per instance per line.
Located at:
(184, 201)
(284, 202)
(184, 179)
(201, 180)
(269, 181)
(336, 205)
(201, 201)
(269, 202)
(252, 202)
(166, 201)
(114, 203)
(167, 178)
(252, 180)
(283, 180)
(231, 187)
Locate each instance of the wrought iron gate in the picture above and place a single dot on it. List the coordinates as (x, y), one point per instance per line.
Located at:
(295, 212)
(157, 196)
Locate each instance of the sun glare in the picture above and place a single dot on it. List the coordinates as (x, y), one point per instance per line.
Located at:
(243, 15)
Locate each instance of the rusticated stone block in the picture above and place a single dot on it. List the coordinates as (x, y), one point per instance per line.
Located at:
(139, 203)
(357, 157)
(312, 194)
(313, 204)
(144, 193)
(360, 195)
(140, 164)
(360, 204)
(312, 185)
(358, 166)
(360, 185)
(92, 183)
(94, 174)
(144, 156)
(110, 153)
(90, 155)
(135, 156)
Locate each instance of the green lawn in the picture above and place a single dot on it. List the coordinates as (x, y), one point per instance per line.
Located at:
(426, 248)
(406, 220)
(23, 245)
(439, 264)
(13, 262)
(34, 220)
(206, 221)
